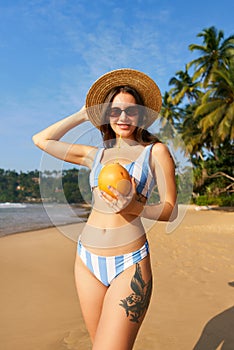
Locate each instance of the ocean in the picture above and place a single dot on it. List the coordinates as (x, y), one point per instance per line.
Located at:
(20, 217)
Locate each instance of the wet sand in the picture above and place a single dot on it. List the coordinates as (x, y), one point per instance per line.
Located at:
(191, 306)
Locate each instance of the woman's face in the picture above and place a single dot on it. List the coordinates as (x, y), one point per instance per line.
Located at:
(124, 115)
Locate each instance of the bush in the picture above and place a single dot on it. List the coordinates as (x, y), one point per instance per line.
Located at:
(222, 201)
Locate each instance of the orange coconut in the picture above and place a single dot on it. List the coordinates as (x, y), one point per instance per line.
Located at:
(114, 175)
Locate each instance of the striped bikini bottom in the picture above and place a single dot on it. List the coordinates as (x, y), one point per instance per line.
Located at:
(107, 268)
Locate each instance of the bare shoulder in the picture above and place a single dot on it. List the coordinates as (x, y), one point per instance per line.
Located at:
(160, 150)
(161, 155)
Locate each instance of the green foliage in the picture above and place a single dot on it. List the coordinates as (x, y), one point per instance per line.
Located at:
(215, 53)
(49, 186)
(16, 187)
(204, 98)
(76, 185)
(222, 201)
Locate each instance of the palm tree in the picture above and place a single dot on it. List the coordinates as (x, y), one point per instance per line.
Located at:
(169, 116)
(194, 140)
(215, 53)
(217, 107)
(183, 86)
(169, 111)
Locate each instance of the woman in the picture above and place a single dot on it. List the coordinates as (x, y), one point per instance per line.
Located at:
(112, 268)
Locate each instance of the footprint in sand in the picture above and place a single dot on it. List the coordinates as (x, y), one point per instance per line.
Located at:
(76, 340)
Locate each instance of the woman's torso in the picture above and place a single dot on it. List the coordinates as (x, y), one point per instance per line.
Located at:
(105, 228)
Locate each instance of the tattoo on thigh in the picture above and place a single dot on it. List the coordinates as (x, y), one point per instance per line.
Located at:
(137, 302)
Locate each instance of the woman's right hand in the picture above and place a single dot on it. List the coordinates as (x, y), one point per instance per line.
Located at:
(84, 113)
(122, 204)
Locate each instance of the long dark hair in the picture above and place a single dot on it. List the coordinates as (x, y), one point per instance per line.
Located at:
(141, 134)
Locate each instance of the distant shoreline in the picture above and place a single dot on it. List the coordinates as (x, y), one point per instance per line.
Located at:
(24, 217)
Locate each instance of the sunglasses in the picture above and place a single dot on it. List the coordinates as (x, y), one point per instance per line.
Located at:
(115, 112)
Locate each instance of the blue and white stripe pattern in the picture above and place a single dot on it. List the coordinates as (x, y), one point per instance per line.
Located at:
(106, 268)
(139, 169)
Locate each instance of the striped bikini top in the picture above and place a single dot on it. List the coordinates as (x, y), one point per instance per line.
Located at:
(139, 169)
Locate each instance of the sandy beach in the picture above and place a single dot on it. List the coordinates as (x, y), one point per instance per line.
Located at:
(192, 302)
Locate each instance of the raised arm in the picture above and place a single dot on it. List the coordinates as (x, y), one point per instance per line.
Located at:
(49, 140)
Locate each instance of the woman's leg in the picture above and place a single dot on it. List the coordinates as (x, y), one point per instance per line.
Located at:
(91, 294)
(124, 307)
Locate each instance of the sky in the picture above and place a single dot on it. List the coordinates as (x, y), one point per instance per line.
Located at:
(52, 51)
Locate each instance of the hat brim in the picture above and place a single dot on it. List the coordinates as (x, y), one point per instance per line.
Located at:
(142, 83)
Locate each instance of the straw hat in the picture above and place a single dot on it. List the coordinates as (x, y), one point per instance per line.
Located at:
(142, 83)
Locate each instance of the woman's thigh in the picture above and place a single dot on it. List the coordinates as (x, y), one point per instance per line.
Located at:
(91, 294)
(125, 305)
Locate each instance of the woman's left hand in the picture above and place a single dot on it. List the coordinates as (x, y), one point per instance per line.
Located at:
(121, 201)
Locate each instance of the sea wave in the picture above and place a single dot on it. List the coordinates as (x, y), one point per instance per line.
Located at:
(21, 217)
(12, 205)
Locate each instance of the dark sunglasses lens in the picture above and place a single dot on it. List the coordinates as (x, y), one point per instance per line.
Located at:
(115, 112)
(131, 111)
